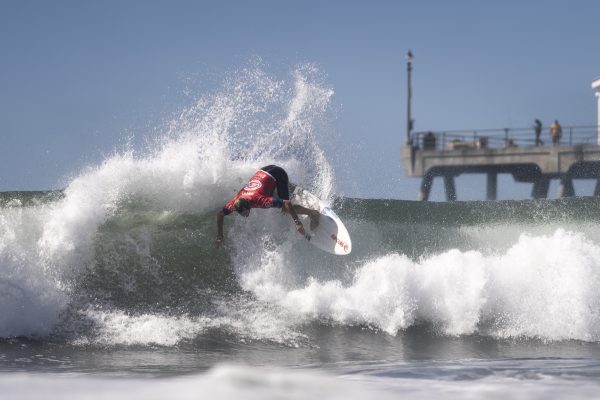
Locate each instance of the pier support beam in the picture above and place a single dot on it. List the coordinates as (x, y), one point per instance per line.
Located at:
(425, 188)
(597, 188)
(540, 188)
(492, 186)
(566, 189)
(450, 188)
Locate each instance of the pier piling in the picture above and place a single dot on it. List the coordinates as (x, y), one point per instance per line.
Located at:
(450, 188)
(566, 189)
(540, 188)
(492, 186)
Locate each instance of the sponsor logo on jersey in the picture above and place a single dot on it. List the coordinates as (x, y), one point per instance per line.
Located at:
(254, 184)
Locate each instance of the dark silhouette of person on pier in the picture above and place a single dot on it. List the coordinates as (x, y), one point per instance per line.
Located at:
(537, 127)
(555, 132)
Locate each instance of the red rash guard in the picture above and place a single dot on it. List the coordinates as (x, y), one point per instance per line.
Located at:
(258, 191)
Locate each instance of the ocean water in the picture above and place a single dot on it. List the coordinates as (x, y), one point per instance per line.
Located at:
(113, 288)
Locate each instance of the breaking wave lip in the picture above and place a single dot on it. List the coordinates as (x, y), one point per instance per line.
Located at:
(195, 166)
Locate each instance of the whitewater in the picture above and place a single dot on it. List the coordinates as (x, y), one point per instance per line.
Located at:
(115, 279)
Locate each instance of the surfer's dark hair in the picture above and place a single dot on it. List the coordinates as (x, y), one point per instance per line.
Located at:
(241, 205)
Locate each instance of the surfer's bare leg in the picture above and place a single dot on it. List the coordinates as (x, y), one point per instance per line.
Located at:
(312, 214)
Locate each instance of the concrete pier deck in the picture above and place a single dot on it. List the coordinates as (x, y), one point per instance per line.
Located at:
(429, 155)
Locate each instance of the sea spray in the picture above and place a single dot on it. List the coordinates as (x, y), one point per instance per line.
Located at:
(54, 255)
(31, 294)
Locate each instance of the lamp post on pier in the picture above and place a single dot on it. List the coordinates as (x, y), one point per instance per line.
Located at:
(409, 121)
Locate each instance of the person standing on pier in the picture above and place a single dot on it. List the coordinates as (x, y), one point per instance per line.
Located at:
(555, 132)
(537, 127)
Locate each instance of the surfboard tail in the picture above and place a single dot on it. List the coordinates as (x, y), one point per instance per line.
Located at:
(330, 234)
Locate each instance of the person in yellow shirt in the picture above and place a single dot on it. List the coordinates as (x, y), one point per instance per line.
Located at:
(555, 132)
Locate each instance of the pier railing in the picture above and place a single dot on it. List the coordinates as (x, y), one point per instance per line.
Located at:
(502, 138)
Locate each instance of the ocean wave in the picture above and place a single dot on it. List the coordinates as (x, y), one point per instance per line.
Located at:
(543, 287)
(125, 253)
(59, 253)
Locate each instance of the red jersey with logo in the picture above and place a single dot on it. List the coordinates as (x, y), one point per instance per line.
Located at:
(258, 191)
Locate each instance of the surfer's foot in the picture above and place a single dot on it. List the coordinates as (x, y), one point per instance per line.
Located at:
(314, 220)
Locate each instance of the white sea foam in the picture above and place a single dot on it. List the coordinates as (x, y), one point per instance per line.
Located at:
(248, 322)
(225, 382)
(240, 382)
(544, 286)
(31, 295)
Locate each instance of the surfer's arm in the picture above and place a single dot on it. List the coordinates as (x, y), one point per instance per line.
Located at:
(220, 217)
(289, 208)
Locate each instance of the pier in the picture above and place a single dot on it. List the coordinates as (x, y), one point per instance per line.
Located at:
(428, 155)
(534, 155)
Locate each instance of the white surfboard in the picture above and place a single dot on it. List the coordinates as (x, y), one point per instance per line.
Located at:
(330, 235)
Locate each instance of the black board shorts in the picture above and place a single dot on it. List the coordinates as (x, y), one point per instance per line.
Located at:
(283, 190)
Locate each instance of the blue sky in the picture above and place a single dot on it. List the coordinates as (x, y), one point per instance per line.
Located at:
(78, 77)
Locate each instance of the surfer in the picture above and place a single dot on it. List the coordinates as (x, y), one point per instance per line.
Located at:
(269, 187)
